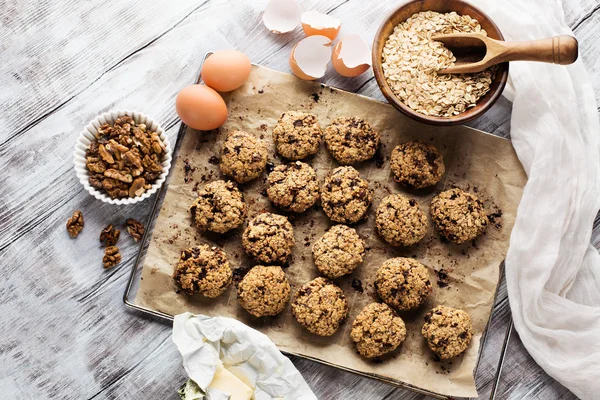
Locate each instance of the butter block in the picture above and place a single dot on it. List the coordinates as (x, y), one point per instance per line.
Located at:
(228, 383)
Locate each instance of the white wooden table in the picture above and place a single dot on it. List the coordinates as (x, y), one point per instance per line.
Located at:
(64, 331)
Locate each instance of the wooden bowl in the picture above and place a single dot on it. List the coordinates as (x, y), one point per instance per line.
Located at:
(443, 6)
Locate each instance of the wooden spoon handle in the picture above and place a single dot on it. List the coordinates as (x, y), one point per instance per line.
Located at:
(561, 50)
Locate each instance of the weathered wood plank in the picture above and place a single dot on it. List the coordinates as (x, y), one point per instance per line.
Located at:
(54, 52)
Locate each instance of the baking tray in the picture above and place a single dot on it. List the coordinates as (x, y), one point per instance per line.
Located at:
(136, 269)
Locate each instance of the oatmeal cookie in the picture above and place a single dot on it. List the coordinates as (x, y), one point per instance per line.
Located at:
(400, 221)
(297, 135)
(351, 140)
(264, 291)
(458, 216)
(219, 208)
(269, 238)
(243, 157)
(320, 306)
(417, 164)
(448, 331)
(203, 269)
(345, 196)
(403, 283)
(293, 187)
(377, 330)
(339, 251)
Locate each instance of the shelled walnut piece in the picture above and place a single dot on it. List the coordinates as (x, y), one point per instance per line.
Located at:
(125, 159)
(135, 229)
(110, 235)
(111, 257)
(75, 224)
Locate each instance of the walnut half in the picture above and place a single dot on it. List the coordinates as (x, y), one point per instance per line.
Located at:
(135, 229)
(137, 187)
(118, 175)
(111, 257)
(75, 224)
(110, 235)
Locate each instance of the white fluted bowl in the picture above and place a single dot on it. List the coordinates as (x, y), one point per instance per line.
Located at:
(88, 135)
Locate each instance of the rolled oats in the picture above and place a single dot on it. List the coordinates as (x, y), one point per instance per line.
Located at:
(411, 61)
(125, 159)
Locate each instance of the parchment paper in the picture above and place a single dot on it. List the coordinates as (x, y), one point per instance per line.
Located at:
(467, 275)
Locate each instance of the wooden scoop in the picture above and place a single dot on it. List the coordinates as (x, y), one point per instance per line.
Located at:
(475, 52)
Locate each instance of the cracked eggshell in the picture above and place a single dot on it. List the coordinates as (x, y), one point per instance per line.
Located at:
(310, 56)
(351, 56)
(316, 23)
(281, 16)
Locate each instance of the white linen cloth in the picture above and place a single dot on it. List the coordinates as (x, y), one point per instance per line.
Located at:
(552, 270)
(206, 342)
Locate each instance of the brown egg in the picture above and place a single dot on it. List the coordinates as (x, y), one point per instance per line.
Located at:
(226, 70)
(201, 108)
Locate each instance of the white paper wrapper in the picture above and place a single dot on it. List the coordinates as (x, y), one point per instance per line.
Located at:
(206, 342)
